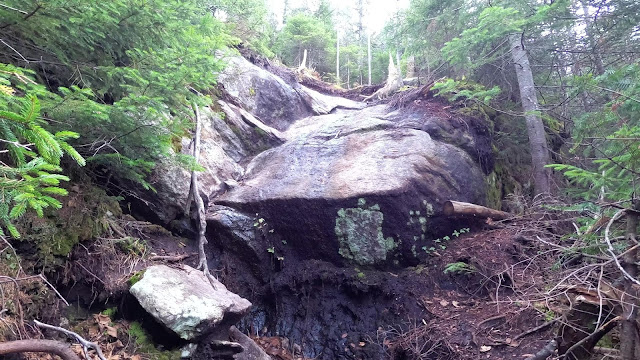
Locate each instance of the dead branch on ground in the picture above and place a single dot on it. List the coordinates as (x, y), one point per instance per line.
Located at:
(86, 345)
(37, 345)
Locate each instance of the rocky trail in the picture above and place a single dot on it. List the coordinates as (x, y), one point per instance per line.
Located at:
(325, 224)
(326, 214)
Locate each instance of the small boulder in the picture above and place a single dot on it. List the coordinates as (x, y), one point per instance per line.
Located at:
(184, 301)
(251, 350)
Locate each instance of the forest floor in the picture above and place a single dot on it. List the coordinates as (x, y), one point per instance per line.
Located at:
(484, 311)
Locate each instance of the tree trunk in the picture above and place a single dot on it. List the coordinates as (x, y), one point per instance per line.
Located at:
(284, 12)
(348, 73)
(394, 82)
(303, 64)
(338, 58)
(597, 58)
(201, 212)
(411, 67)
(629, 337)
(535, 126)
(369, 55)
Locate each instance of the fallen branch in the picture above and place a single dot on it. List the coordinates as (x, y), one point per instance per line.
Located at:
(174, 258)
(37, 345)
(86, 345)
(546, 351)
(461, 208)
(536, 329)
(618, 215)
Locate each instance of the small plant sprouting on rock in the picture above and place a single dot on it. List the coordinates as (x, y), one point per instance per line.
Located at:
(459, 268)
(441, 241)
(271, 250)
(457, 233)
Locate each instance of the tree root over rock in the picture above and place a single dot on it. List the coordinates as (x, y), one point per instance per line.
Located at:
(195, 195)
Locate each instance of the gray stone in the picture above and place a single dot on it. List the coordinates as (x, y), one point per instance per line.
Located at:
(322, 104)
(251, 350)
(225, 143)
(235, 231)
(262, 93)
(310, 188)
(184, 301)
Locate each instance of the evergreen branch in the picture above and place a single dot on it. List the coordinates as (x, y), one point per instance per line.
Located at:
(14, 9)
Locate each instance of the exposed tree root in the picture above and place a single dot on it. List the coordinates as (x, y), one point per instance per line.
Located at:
(37, 345)
(86, 345)
(195, 195)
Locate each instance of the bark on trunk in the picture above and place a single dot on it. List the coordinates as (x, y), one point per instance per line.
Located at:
(597, 58)
(303, 64)
(369, 55)
(338, 58)
(535, 126)
(629, 337)
(34, 345)
(462, 208)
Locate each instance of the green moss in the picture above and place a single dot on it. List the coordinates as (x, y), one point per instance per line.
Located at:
(85, 214)
(494, 191)
(110, 312)
(260, 132)
(131, 245)
(136, 277)
(138, 334)
(360, 237)
(146, 346)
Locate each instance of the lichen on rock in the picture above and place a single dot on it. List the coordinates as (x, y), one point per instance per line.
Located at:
(359, 232)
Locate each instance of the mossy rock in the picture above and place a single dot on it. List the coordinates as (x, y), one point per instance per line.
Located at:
(85, 214)
(135, 278)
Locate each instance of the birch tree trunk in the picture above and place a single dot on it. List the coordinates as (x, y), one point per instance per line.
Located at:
(369, 54)
(535, 126)
(597, 58)
(338, 58)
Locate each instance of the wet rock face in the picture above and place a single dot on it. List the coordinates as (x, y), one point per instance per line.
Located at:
(184, 301)
(226, 141)
(263, 94)
(230, 137)
(356, 186)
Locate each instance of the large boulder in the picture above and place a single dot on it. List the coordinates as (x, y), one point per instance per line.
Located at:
(357, 186)
(226, 142)
(185, 302)
(260, 105)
